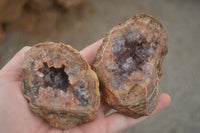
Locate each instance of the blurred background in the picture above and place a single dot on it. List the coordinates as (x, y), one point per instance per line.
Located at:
(82, 22)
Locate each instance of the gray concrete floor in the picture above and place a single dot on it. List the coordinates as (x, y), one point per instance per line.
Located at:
(181, 76)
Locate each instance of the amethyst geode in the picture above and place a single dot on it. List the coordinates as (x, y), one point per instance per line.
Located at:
(129, 65)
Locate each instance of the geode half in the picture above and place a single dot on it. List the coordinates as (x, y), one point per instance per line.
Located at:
(60, 85)
(129, 65)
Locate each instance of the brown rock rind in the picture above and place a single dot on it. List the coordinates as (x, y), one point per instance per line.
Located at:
(129, 65)
(60, 85)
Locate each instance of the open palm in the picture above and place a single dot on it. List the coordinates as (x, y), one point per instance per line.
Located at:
(15, 115)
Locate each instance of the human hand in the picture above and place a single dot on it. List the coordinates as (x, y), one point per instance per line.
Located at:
(15, 115)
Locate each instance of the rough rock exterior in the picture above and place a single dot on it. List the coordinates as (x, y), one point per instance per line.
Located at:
(60, 85)
(67, 4)
(129, 65)
(36, 16)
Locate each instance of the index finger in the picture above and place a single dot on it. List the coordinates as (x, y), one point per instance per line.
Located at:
(90, 52)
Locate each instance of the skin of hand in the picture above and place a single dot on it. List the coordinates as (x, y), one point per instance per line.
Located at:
(16, 117)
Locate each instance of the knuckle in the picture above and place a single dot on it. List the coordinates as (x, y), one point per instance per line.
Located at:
(25, 48)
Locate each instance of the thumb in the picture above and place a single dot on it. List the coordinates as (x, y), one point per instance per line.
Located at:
(14, 67)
